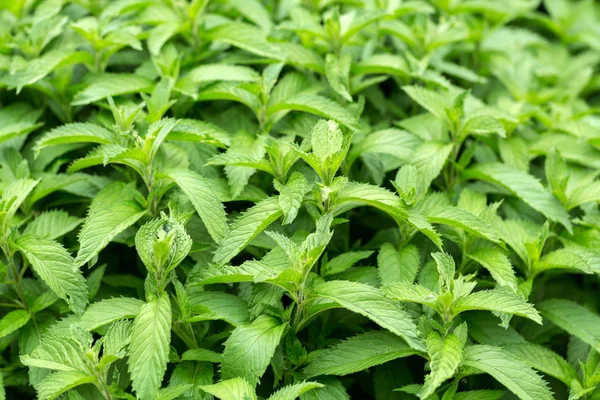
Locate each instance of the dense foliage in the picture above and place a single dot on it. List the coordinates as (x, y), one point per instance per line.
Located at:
(314, 199)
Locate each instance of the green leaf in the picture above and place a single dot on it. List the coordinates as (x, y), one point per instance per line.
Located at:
(317, 105)
(525, 187)
(446, 268)
(572, 257)
(497, 263)
(57, 352)
(292, 392)
(483, 125)
(201, 355)
(149, 348)
(52, 224)
(17, 129)
(430, 158)
(99, 87)
(255, 11)
(333, 390)
(291, 196)
(245, 37)
(113, 210)
(249, 349)
(356, 354)
(326, 139)
(435, 103)
(497, 300)
(343, 261)
(544, 360)
(412, 293)
(54, 265)
(397, 266)
(458, 218)
(389, 64)
(13, 321)
(479, 395)
(508, 370)
(573, 318)
(59, 382)
(247, 227)
(393, 142)
(173, 392)
(205, 201)
(445, 357)
(107, 311)
(231, 389)
(191, 130)
(337, 71)
(247, 147)
(14, 195)
(40, 67)
(371, 303)
(210, 305)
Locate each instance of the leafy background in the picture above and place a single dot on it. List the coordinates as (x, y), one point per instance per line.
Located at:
(323, 199)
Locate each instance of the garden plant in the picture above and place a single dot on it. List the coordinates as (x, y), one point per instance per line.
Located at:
(313, 199)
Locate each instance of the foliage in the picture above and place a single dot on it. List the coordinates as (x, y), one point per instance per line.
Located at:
(314, 199)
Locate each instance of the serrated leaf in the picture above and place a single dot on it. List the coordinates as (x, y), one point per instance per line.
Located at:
(13, 321)
(40, 67)
(292, 392)
(149, 348)
(524, 186)
(291, 196)
(249, 349)
(544, 360)
(508, 370)
(497, 263)
(571, 257)
(497, 300)
(410, 292)
(247, 227)
(113, 210)
(15, 194)
(333, 390)
(255, 11)
(205, 201)
(317, 105)
(337, 71)
(52, 224)
(343, 261)
(231, 389)
(211, 305)
(445, 357)
(59, 382)
(456, 217)
(54, 265)
(389, 64)
(397, 266)
(356, 354)
(479, 395)
(245, 37)
(371, 303)
(573, 318)
(483, 125)
(394, 142)
(101, 86)
(107, 311)
(201, 355)
(57, 352)
(435, 103)
(430, 158)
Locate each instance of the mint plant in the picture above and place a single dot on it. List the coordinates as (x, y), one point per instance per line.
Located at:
(299, 199)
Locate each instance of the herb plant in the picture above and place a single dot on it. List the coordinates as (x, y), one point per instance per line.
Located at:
(314, 199)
